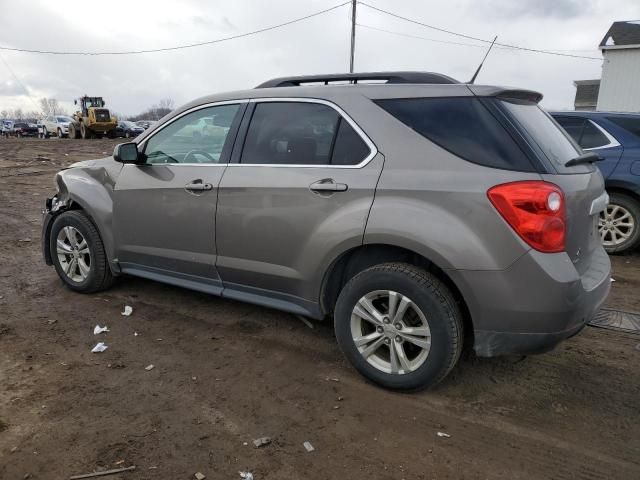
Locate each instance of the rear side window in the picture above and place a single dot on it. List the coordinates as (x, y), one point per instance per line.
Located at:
(592, 137)
(630, 124)
(463, 126)
(583, 131)
(301, 133)
(349, 148)
(573, 126)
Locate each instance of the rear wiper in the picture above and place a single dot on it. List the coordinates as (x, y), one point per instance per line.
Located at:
(588, 157)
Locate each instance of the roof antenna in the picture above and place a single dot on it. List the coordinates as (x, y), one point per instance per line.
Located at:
(473, 79)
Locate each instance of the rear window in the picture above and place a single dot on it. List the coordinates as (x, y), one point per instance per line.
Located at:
(547, 134)
(630, 124)
(463, 126)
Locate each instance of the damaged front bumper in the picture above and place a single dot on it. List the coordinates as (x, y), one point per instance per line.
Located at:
(53, 206)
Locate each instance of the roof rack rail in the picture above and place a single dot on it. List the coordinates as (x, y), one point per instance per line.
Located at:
(390, 77)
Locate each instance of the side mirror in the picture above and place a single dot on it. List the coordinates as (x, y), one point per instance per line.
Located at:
(126, 153)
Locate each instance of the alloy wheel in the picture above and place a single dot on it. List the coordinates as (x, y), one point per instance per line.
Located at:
(73, 254)
(390, 332)
(616, 225)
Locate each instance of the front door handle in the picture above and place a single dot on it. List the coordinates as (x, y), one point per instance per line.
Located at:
(328, 185)
(198, 187)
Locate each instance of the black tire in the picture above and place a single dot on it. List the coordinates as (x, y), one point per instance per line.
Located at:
(632, 206)
(73, 131)
(60, 134)
(45, 134)
(126, 135)
(431, 296)
(99, 276)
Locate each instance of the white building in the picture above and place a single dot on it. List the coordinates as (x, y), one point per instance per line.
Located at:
(620, 83)
(619, 87)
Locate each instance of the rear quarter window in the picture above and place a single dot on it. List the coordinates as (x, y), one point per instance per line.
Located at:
(464, 127)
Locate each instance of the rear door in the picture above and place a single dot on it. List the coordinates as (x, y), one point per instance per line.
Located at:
(164, 209)
(582, 184)
(592, 136)
(300, 189)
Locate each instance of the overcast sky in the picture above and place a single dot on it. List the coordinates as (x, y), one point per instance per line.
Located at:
(317, 45)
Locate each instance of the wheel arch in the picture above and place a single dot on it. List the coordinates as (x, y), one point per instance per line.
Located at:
(624, 188)
(80, 189)
(357, 259)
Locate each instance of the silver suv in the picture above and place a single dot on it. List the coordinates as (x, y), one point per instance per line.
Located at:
(417, 212)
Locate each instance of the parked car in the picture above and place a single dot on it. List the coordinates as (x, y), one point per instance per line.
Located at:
(7, 128)
(57, 125)
(128, 129)
(22, 129)
(615, 137)
(146, 123)
(419, 214)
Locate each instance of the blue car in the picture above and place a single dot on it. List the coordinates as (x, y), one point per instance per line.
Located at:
(615, 137)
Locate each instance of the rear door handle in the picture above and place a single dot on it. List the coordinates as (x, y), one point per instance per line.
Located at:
(198, 187)
(328, 185)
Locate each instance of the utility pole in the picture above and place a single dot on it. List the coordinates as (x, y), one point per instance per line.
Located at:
(353, 34)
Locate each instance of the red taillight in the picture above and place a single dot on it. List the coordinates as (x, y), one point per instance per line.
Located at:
(535, 210)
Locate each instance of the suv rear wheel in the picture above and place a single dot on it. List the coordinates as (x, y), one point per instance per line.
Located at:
(78, 253)
(399, 326)
(619, 224)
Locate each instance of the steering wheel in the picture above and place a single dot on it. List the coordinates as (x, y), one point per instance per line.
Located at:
(193, 153)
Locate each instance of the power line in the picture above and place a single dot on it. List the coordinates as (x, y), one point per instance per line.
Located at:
(15, 77)
(451, 32)
(180, 47)
(408, 35)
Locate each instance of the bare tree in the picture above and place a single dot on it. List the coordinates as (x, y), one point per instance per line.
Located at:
(17, 114)
(51, 106)
(155, 112)
(166, 103)
(4, 113)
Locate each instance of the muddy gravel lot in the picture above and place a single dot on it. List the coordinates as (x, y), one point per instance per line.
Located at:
(226, 373)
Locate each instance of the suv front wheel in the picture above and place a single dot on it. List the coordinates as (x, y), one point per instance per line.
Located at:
(78, 253)
(399, 326)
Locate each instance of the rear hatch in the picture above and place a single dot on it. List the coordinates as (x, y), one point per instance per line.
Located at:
(582, 184)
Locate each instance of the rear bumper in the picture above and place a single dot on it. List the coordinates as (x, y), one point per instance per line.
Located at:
(534, 304)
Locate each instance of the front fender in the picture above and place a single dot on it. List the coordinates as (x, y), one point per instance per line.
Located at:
(89, 186)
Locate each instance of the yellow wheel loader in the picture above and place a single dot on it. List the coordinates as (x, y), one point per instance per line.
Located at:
(92, 120)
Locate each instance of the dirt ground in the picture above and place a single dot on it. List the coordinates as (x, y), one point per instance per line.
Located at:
(227, 373)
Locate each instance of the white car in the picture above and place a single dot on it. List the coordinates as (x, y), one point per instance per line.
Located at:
(57, 125)
(7, 128)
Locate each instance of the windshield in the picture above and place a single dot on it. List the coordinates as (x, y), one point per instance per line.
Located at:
(549, 137)
(93, 102)
(64, 119)
(128, 124)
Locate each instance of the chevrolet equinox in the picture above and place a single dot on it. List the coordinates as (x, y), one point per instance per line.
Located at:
(417, 212)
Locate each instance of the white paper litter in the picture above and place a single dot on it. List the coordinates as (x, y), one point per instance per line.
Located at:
(127, 311)
(246, 475)
(612, 279)
(442, 434)
(100, 347)
(135, 334)
(308, 446)
(100, 329)
(149, 367)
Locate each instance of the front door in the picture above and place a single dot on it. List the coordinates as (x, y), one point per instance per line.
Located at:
(300, 192)
(164, 208)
